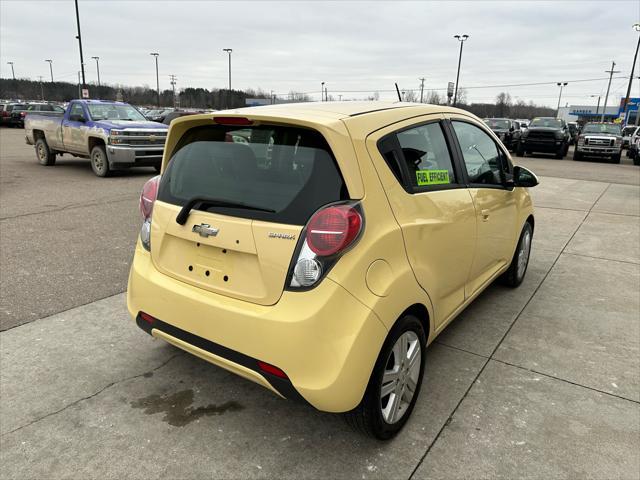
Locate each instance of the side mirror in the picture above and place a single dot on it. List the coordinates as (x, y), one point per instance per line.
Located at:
(512, 128)
(523, 177)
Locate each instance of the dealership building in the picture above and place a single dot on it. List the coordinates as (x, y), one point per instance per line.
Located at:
(593, 113)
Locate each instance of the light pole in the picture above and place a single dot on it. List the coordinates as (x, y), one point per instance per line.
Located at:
(561, 85)
(50, 68)
(636, 27)
(13, 74)
(322, 91)
(79, 37)
(461, 39)
(597, 106)
(97, 59)
(229, 50)
(155, 54)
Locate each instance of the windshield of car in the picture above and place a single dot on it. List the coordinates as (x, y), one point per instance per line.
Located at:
(498, 124)
(288, 170)
(114, 112)
(602, 128)
(627, 131)
(546, 122)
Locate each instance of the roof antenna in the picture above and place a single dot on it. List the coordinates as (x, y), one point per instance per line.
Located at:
(398, 90)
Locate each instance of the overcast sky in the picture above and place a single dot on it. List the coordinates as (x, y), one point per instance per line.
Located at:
(357, 48)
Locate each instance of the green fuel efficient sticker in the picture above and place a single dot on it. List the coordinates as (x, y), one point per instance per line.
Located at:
(432, 177)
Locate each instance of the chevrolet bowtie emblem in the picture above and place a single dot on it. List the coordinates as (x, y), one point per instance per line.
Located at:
(205, 230)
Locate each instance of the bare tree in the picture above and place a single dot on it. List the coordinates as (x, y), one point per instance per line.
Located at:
(298, 96)
(434, 98)
(503, 104)
(462, 96)
(410, 96)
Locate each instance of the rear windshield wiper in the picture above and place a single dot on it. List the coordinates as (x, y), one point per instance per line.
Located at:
(204, 202)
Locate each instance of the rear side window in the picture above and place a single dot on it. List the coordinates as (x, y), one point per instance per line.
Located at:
(286, 169)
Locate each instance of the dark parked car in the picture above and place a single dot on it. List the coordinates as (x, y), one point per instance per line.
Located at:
(176, 114)
(18, 114)
(507, 130)
(6, 110)
(545, 135)
(159, 115)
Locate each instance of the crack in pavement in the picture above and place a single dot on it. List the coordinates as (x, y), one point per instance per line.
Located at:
(72, 206)
(75, 402)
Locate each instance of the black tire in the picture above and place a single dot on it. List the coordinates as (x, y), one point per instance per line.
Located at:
(562, 151)
(100, 162)
(44, 154)
(577, 155)
(514, 276)
(368, 417)
(520, 150)
(616, 158)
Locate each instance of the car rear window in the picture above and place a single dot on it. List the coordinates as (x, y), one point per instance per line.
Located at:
(290, 170)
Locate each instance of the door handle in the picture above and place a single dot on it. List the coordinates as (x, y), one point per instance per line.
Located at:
(485, 215)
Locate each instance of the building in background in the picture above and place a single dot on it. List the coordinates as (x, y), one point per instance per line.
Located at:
(615, 113)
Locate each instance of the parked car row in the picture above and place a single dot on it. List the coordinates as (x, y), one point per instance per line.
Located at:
(12, 114)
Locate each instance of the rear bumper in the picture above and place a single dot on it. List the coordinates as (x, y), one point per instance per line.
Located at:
(134, 157)
(324, 339)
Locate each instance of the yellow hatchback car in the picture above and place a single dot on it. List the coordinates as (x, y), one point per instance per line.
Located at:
(318, 248)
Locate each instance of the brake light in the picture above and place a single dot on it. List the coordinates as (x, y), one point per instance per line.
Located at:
(22, 114)
(331, 230)
(328, 234)
(147, 318)
(148, 197)
(232, 121)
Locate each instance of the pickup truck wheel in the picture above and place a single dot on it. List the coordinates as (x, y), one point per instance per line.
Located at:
(520, 150)
(616, 158)
(43, 152)
(577, 155)
(99, 161)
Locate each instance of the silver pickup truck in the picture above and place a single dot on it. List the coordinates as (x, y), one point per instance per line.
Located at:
(599, 140)
(113, 135)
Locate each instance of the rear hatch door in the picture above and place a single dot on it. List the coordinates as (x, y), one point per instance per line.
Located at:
(276, 175)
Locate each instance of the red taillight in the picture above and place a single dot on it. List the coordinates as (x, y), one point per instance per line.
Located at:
(148, 197)
(267, 368)
(147, 318)
(333, 229)
(22, 114)
(232, 121)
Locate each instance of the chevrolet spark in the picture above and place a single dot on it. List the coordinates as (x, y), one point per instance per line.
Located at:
(317, 249)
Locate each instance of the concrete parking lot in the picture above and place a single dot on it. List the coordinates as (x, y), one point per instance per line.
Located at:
(538, 382)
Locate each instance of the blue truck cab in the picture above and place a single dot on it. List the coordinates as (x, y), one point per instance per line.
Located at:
(113, 135)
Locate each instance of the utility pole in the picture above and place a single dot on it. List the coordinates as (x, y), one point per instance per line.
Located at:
(41, 88)
(421, 88)
(636, 27)
(79, 37)
(461, 39)
(155, 54)
(13, 73)
(322, 91)
(173, 85)
(326, 94)
(561, 85)
(606, 97)
(97, 59)
(50, 68)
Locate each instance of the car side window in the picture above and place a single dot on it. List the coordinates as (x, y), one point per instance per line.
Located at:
(425, 153)
(76, 110)
(484, 161)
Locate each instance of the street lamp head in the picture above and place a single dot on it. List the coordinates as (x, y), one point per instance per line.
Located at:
(49, 60)
(464, 37)
(96, 58)
(154, 54)
(461, 38)
(636, 27)
(228, 50)
(9, 63)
